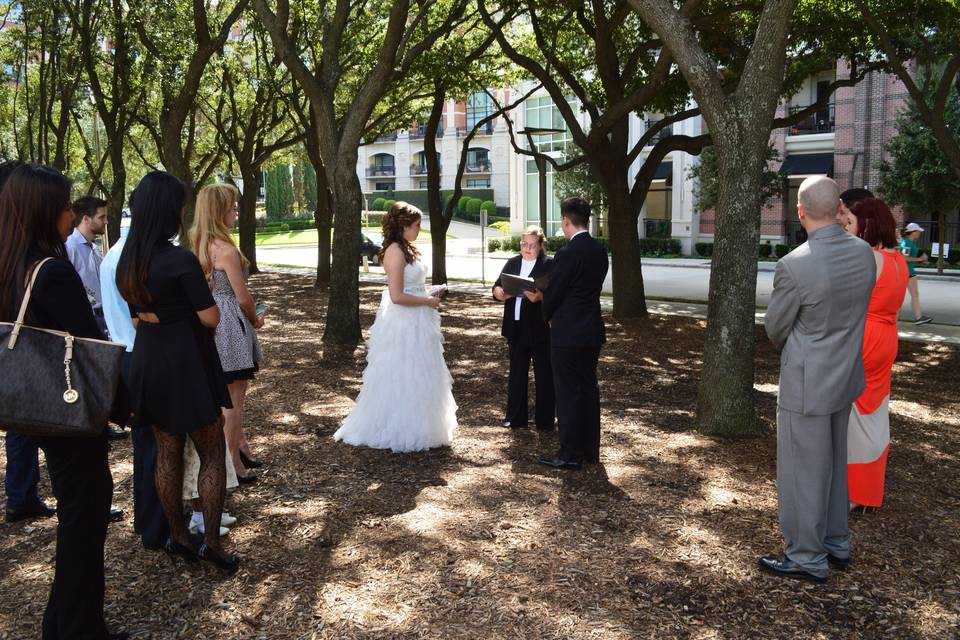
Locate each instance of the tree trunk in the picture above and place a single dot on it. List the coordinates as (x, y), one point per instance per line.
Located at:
(323, 218)
(942, 238)
(117, 195)
(247, 219)
(726, 404)
(629, 300)
(438, 221)
(343, 308)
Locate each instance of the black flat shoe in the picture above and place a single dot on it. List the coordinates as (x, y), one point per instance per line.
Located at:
(225, 561)
(247, 479)
(838, 563)
(174, 549)
(116, 515)
(560, 463)
(35, 511)
(117, 434)
(249, 462)
(787, 568)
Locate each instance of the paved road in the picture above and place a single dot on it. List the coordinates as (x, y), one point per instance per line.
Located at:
(684, 279)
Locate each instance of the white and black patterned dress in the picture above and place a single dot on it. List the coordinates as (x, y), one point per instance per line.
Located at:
(236, 338)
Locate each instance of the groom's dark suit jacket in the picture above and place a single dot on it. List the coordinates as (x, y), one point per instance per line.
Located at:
(532, 325)
(571, 301)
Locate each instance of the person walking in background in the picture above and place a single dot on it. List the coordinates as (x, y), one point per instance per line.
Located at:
(35, 221)
(528, 336)
(22, 475)
(571, 305)
(177, 385)
(868, 438)
(912, 254)
(148, 518)
(816, 317)
(236, 335)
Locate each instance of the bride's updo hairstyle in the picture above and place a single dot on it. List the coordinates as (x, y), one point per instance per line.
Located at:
(400, 216)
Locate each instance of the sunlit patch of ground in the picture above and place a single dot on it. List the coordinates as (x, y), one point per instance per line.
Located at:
(478, 541)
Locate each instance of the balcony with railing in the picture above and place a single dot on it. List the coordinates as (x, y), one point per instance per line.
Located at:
(419, 132)
(387, 137)
(382, 170)
(822, 121)
(418, 169)
(479, 167)
(666, 132)
(485, 130)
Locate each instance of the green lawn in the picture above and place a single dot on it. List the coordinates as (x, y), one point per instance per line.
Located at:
(307, 236)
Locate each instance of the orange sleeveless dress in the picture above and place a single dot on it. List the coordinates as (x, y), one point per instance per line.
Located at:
(868, 437)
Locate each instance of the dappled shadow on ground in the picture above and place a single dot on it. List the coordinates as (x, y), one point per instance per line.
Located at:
(478, 540)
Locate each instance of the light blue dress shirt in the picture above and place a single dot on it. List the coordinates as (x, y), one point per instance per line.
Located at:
(115, 309)
(86, 259)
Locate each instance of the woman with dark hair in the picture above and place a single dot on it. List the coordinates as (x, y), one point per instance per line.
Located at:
(35, 220)
(177, 383)
(405, 403)
(868, 436)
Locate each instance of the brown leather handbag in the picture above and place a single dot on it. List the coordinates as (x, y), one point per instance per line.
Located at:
(53, 383)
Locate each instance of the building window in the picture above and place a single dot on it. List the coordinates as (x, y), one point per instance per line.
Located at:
(482, 183)
(384, 186)
(533, 198)
(542, 113)
(479, 106)
(478, 160)
(381, 164)
(423, 184)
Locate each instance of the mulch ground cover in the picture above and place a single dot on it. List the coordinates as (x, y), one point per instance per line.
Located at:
(478, 541)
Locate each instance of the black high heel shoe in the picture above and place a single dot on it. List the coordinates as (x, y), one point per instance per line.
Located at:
(249, 462)
(247, 479)
(174, 549)
(224, 561)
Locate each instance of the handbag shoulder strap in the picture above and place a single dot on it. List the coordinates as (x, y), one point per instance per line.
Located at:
(26, 301)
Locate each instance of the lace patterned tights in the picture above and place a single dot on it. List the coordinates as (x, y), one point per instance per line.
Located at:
(211, 485)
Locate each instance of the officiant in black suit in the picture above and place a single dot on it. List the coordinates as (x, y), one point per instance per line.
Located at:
(571, 305)
(527, 334)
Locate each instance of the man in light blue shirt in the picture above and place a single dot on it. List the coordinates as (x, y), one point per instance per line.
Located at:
(116, 313)
(90, 218)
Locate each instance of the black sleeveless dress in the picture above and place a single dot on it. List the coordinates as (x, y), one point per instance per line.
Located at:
(176, 379)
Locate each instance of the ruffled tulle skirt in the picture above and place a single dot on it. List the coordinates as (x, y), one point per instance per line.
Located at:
(406, 401)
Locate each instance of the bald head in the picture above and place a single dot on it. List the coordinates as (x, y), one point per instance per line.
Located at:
(819, 197)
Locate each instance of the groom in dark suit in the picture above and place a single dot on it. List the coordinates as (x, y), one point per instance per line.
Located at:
(571, 305)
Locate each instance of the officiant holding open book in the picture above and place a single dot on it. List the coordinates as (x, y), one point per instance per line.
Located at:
(519, 287)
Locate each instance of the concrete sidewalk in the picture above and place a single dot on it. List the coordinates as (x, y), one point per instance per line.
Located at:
(928, 333)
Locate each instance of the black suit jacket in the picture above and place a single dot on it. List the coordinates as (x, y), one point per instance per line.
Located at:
(532, 324)
(571, 301)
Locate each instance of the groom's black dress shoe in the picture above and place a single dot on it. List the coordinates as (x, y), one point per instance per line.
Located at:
(560, 463)
(787, 568)
(838, 563)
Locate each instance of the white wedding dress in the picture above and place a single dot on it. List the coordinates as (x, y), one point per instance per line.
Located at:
(406, 401)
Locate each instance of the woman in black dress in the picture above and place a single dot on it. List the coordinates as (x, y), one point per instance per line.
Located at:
(176, 382)
(35, 220)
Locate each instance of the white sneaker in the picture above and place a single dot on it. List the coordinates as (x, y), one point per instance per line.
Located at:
(196, 527)
(227, 520)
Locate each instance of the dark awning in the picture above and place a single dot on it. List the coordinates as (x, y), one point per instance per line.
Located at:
(808, 164)
(664, 171)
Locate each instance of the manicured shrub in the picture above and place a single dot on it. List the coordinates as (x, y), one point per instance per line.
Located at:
(473, 206)
(781, 250)
(285, 227)
(490, 207)
(493, 244)
(704, 249)
(378, 204)
(764, 250)
(389, 203)
(659, 246)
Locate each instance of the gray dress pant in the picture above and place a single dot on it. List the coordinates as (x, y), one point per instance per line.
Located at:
(812, 487)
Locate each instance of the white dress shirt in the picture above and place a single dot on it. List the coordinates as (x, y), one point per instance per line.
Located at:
(526, 266)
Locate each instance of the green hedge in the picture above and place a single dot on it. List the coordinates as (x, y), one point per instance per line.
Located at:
(490, 207)
(704, 249)
(659, 247)
(781, 250)
(765, 250)
(378, 204)
(418, 198)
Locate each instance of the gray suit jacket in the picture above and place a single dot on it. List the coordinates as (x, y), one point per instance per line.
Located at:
(821, 291)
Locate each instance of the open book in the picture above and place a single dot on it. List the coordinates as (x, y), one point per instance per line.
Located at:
(516, 285)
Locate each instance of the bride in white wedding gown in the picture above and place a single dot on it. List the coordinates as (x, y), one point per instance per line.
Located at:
(406, 402)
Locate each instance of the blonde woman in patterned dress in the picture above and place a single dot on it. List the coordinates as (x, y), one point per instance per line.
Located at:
(236, 336)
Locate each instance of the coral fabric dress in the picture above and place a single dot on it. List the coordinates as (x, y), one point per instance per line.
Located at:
(868, 437)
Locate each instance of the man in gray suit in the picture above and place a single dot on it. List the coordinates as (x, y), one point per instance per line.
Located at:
(821, 291)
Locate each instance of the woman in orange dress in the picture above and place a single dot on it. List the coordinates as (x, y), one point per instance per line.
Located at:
(868, 436)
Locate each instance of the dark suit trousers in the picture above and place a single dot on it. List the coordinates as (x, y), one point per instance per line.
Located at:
(23, 472)
(578, 402)
(521, 353)
(80, 475)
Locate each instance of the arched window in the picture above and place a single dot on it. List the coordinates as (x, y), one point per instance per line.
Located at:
(381, 164)
(478, 160)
